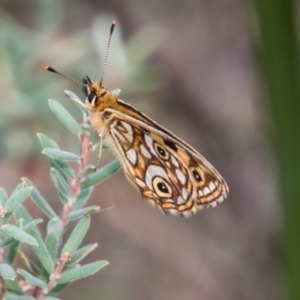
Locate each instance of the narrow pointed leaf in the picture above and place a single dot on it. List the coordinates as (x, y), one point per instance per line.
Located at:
(63, 168)
(76, 236)
(82, 198)
(21, 213)
(17, 198)
(29, 226)
(77, 214)
(64, 116)
(19, 234)
(46, 142)
(12, 252)
(32, 279)
(39, 200)
(43, 253)
(101, 174)
(13, 287)
(61, 185)
(7, 272)
(76, 100)
(82, 272)
(61, 155)
(81, 253)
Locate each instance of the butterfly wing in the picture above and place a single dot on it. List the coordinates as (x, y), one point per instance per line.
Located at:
(167, 171)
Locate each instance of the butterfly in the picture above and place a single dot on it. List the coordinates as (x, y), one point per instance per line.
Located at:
(168, 172)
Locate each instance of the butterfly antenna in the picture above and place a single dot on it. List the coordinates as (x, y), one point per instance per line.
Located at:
(56, 72)
(112, 27)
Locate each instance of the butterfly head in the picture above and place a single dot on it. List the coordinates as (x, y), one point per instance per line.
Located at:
(96, 95)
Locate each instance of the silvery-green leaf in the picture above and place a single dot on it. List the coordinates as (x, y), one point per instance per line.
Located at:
(76, 236)
(61, 185)
(46, 142)
(19, 234)
(77, 214)
(61, 155)
(32, 280)
(101, 174)
(7, 272)
(29, 226)
(64, 116)
(17, 198)
(39, 200)
(43, 253)
(81, 253)
(82, 272)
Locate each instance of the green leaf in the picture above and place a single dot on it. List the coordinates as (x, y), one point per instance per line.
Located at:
(87, 170)
(13, 287)
(38, 199)
(32, 280)
(17, 198)
(21, 213)
(76, 236)
(29, 226)
(64, 116)
(63, 168)
(7, 272)
(101, 174)
(43, 253)
(3, 196)
(12, 252)
(61, 185)
(82, 198)
(61, 155)
(47, 142)
(76, 100)
(10, 296)
(54, 234)
(82, 272)
(77, 214)
(19, 234)
(81, 253)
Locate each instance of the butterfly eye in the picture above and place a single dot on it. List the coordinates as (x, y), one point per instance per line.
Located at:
(161, 187)
(197, 176)
(161, 151)
(92, 97)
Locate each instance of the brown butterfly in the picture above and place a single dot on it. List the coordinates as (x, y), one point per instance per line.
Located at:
(167, 171)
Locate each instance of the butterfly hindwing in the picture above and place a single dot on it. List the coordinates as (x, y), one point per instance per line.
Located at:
(168, 174)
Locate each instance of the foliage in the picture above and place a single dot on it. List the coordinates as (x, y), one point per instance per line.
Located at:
(58, 254)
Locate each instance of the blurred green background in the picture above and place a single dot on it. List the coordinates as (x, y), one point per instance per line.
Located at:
(222, 75)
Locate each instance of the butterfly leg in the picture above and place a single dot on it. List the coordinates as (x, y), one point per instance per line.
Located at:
(100, 151)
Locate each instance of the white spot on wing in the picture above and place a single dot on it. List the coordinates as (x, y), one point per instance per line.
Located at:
(149, 142)
(174, 161)
(206, 191)
(212, 186)
(180, 176)
(127, 127)
(184, 193)
(180, 200)
(140, 182)
(153, 171)
(170, 201)
(131, 156)
(145, 152)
